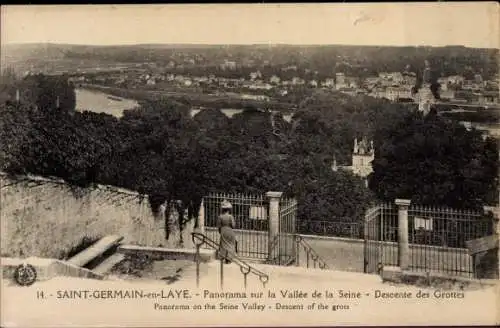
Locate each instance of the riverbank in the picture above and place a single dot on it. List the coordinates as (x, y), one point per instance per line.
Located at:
(101, 102)
(192, 99)
(482, 116)
(485, 120)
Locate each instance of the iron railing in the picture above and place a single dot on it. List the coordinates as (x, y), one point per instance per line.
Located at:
(311, 254)
(373, 256)
(335, 228)
(200, 239)
(251, 216)
(277, 256)
(285, 241)
(436, 236)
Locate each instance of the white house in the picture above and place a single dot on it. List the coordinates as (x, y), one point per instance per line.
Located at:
(274, 79)
(329, 83)
(362, 156)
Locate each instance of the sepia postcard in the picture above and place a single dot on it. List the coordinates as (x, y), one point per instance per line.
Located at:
(250, 165)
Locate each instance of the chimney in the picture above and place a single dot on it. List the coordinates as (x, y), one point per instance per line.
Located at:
(17, 95)
(57, 102)
(356, 145)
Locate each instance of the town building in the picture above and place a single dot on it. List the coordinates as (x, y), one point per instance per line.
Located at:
(329, 83)
(362, 156)
(228, 65)
(397, 93)
(274, 79)
(424, 97)
(298, 81)
(488, 98)
(255, 75)
(340, 80)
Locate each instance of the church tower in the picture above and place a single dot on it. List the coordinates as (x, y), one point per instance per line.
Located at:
(362, 156)
(425, 96)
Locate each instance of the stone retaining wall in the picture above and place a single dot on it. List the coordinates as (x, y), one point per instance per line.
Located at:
(47, 217)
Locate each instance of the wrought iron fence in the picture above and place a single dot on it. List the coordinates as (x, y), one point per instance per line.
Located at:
(437, 238)
(333, 228)
(436, 235)
(372, 261)
(252, 223)
(389, 233)
(283, 247)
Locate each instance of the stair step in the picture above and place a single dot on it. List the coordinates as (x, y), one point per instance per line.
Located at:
(86, 256)
(109, 263)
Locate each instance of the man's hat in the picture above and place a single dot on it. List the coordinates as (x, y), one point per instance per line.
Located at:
(225, 205)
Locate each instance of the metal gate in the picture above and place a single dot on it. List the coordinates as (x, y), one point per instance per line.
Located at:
(380, 237)
(283, 247)
(372, 226)
(251, 213)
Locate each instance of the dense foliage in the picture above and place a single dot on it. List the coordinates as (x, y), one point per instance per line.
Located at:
(45, 92)
(160, 150)
(433, 161)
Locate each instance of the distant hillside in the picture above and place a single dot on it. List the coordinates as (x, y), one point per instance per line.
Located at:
(33, 51)
(355, 60)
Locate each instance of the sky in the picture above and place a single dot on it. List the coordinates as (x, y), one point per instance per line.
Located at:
(397, 24)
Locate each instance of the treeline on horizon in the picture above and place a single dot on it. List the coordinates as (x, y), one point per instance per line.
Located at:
(360, 61)
(160, 150)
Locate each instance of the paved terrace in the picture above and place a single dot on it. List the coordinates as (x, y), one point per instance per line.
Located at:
(22, 308)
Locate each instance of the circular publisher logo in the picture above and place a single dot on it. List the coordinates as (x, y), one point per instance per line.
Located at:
(25, 275)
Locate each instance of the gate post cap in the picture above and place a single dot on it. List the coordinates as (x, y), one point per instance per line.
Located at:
(403, 202)
(274, 194)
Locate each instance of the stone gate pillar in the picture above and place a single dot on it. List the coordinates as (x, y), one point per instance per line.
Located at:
(274, 217)
(403, 244)
(497, 231)
(495, 210)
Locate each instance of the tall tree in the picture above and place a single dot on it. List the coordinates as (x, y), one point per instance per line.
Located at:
(434, 161)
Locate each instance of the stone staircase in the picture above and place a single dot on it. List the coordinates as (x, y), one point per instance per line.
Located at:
(83, 265)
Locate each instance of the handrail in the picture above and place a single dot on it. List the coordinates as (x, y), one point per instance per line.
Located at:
(272, 246)
(310, 252)
(278, 258)
(199, 239)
